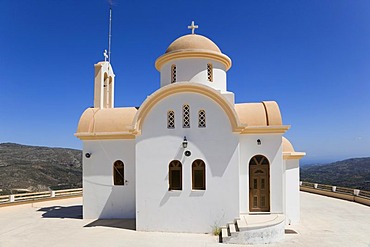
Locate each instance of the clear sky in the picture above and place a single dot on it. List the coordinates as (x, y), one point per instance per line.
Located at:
(312, 57)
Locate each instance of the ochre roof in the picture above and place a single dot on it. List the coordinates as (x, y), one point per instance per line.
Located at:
(266, 113)
(193, 46)
(105, 123)
(287, 146)
(193, 42)
(288, 151)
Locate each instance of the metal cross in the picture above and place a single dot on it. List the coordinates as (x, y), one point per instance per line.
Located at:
(105, 55)
(192, 27)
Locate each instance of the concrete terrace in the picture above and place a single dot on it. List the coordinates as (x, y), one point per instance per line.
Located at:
(324, 222)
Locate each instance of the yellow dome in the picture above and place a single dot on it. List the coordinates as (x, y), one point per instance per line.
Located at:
(193, 46)
(287, 146)
(193, 42)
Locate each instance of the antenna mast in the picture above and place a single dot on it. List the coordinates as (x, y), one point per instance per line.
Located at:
(110, 32)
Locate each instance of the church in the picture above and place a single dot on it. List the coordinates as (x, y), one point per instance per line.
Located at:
(189, 159)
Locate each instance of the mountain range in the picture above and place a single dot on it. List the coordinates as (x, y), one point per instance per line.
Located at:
(32, 168)
(351, 173)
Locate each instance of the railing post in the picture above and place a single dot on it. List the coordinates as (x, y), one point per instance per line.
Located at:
(300, 183)
(315, 185)
(356, 192)
(333, 188)
(52, 193)
(11, 198)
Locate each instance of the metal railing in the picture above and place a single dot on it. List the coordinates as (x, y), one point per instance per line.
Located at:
(36, 196)
(360, 196)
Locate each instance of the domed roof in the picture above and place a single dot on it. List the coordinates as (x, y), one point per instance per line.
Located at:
(193, 46)
(287, 146)
(193, 42)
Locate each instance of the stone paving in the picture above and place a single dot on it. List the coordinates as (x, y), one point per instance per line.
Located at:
(324, 222)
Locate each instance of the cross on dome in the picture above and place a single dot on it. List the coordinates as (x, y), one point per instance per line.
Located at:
(192, 27)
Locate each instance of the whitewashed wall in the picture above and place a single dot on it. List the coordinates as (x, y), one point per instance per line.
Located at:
(157, 208)
(102, 199)
(292, 191)
(195, 70)
(271, 148)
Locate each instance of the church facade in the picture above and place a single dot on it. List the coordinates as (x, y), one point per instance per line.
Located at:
(189, 158)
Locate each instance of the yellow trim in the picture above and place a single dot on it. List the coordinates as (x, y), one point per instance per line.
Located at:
(265, 129)
(165, 58)
(181, 87)
(293, 155)
(104, 135)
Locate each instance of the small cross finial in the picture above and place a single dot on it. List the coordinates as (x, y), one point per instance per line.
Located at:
(105, 55)
(192, 27)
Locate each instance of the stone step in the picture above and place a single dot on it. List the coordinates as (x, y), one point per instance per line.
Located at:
(224, 235)
(241, 224)
(232, 229)
(256, 229)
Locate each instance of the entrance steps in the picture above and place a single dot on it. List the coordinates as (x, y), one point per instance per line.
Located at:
(254, 229)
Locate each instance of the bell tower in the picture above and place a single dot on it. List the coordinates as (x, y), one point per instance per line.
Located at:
(104, 85)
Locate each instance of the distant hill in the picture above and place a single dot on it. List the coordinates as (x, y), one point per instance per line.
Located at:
(352, 173)
(38, 168)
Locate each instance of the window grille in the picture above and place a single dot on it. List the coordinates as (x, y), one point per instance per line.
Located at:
(173, 73)
(202, 119)
(186, 116)
(210, 72)
(171, 119)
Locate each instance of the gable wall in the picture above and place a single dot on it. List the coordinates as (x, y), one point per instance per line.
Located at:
(157, 208)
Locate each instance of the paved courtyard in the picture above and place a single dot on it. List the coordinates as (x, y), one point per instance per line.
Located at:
(324, 222)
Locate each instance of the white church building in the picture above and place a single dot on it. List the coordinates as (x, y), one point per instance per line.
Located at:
(189, 158)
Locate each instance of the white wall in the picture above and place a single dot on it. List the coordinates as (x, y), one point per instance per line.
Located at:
(102, 199)
(195, 70)
(272, 149)
(292, 191)
(157, 208)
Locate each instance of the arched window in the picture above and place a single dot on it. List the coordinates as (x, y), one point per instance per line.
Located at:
(202, 119)
(173, 73)
(175, 175)
(171, 119)
(118, 173)
(198, 175)
(210, 72)
(186, 116)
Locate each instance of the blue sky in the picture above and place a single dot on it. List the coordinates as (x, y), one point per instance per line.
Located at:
(312, 57)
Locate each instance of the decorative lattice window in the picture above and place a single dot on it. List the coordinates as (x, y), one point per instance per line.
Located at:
(173, 73)
(210, 72)
(118, 173)
(198, 175)
(202, 119)
(171, 119)
(175, 175)
(186, 116)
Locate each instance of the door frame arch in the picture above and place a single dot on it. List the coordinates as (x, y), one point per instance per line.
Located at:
(259, 184)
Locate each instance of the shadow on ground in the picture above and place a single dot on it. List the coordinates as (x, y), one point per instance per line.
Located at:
(72, 212)
(128, 224)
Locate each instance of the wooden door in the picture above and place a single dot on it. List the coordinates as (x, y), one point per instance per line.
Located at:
(259, 184)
